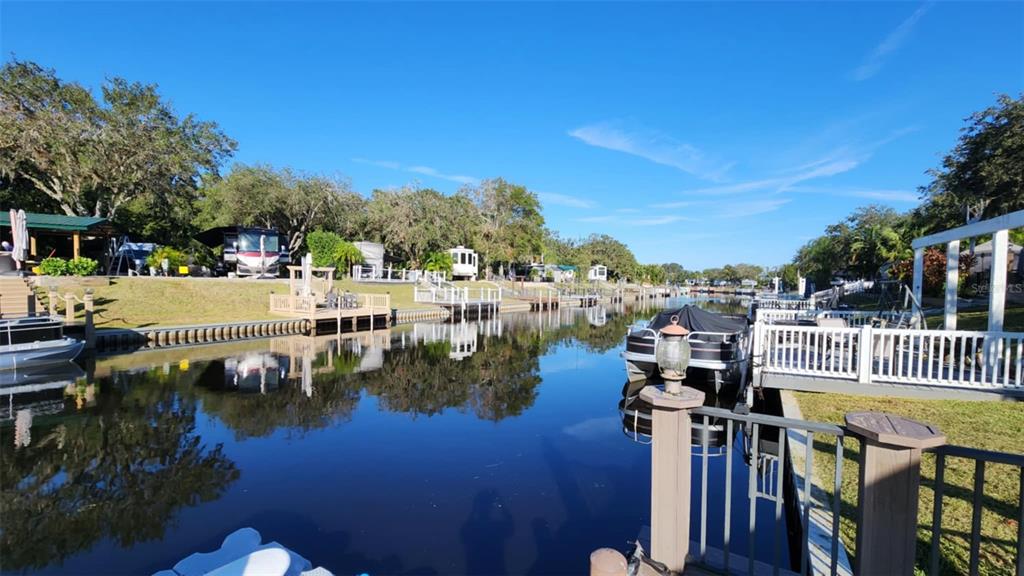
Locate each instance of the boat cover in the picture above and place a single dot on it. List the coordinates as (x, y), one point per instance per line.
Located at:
(695, 319)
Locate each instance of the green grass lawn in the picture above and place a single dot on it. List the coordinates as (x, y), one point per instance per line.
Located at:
(138, 302)
(1013, 320)
(989, 425)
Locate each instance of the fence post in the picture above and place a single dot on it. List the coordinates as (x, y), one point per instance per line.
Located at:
(69, 308)
(670, 473)
(864, 355)
(887, 497)
(53, 301)
(90, 328)
(758, 350)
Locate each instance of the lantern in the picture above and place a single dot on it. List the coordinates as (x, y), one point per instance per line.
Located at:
(673, 355)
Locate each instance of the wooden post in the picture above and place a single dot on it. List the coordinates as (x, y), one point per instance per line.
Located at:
(69, 308)
(90, 328)
(890, 476)
(32, 246)
(76, 243)
(670, 474)
(53, 301)
(918, 277)
(952, 282)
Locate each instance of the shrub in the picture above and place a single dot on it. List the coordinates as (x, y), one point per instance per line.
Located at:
(174, 257)
(323, 245)
(329, 249)
(933, 272)
(54, 266)
(438, 262)
(82, 266)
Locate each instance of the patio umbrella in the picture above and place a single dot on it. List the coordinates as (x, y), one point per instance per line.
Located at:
(19, 229)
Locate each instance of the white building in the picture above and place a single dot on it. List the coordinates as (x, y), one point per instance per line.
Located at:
(464, 263)
(598, 273)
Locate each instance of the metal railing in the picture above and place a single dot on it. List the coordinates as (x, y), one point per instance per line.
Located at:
(950, 358)
(981, 458)
(771, 485)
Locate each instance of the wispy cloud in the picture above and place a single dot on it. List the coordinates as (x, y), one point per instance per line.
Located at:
(883, 195)
(645, 221)
(565, 200)
(423, 170)
(874, 61)
(627, 210)
(751, 208)
(654, 146)
(657, 220)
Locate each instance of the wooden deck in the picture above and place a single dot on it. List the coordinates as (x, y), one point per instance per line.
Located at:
(362, 312)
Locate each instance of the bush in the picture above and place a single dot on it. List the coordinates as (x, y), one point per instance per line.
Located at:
(54, 267)
(323, 245)
(174, 258)
(439, 262)
(82, 267)
(329, 249)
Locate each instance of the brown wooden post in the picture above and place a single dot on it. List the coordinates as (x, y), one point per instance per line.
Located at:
(890, 476)
(670, 473)
(76, 244)
(90, 328)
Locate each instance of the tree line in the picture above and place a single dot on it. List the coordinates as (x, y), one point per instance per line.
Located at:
(123, 154)
(981, 177)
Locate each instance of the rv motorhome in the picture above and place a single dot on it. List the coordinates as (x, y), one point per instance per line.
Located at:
(248, 251)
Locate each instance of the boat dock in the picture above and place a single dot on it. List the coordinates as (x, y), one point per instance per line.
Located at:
(461, 302)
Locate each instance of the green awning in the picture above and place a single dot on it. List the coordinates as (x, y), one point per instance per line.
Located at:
(58, 222)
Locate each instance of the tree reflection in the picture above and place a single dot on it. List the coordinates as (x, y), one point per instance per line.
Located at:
(119, 469)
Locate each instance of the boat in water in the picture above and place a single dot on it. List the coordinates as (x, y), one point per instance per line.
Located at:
(35, 341)
(718, 342)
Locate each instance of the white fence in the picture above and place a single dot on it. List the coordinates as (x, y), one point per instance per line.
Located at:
(362, 273)
(455, 295)
(955, 358)
(847, 288)
(852, 317)
(785, 304)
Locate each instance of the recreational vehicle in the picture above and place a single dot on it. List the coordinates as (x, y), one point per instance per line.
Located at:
(248, 251)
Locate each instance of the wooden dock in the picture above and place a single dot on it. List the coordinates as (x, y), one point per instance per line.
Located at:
(353, 312)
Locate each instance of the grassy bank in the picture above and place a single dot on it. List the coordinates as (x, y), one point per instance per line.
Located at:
(139, 302)
(989, 425)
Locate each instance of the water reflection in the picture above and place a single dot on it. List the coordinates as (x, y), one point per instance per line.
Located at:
(114, 471)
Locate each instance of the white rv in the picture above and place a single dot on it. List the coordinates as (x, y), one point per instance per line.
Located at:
(598, 273)
(464, 263)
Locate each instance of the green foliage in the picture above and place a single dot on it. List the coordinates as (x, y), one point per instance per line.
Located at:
(126, 157)
(174, 258)
(269, 198)
(439, 262)
(605, 250)
(933, 271)
(983, 169)
(329, 249)
(322, 246)
(82, 266)
(511, 224)
(413, 223)
(54, 266)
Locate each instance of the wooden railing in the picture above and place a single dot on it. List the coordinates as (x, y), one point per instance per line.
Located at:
(374, 301)
(291, 303)
(953, 358)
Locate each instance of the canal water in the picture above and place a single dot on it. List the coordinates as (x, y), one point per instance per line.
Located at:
(494, 447)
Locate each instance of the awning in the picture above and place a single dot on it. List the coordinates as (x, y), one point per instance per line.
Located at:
(61, 223)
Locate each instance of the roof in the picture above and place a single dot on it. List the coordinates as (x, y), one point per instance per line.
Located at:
(986, 248)
(36, 221)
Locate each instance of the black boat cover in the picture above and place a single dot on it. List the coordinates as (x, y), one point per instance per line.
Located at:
(695, 319)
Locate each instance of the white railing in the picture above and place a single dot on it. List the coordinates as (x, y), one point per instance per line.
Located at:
(976, 360)
(852, 317)
(847, 288)
(785, 303)
(363, 273)
(456, 295)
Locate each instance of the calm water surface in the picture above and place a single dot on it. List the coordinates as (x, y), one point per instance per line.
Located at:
(484, 448)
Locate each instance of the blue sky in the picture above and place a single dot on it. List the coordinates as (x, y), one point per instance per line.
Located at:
(696, 133)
